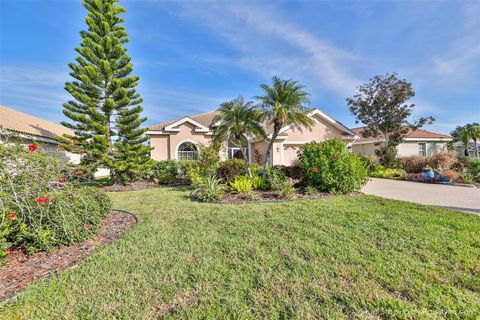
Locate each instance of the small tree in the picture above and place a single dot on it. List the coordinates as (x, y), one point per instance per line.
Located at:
(236, 121)
(284, 103)
(105, 110)
(381, 106)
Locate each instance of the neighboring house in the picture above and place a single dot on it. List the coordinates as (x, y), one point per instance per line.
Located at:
(19, 127)
(416, 143)
(180, 139)
(460, 148)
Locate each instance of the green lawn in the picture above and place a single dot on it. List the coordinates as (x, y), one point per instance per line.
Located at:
(344, 257)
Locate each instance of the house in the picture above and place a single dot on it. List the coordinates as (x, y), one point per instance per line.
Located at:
(416, 143)
(19, 127)
(180, 139)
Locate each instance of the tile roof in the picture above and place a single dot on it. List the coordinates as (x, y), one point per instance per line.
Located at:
(17, 121)
(204, 119)
(417, 134)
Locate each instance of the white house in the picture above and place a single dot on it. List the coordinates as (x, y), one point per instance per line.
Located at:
(416, 143)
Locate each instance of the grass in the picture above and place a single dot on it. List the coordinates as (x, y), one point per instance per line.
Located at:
(343, 257)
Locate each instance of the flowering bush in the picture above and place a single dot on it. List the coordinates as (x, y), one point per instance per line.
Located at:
(39, 209)
(328, 166)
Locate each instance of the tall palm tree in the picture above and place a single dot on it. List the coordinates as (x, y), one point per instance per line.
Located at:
(237, 121)
(464, 135)
(284, 103)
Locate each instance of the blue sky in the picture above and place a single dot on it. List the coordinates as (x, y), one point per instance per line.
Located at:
(192, 55)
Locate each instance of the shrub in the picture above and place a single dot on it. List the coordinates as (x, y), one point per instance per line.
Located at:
(369, 162)
(293, 172)
(286, 191)
(452, 175)
(191, 171)
(209, 190)
(231, 168)
(39, 208)
(164, 172)
(328, 166)
(259, 183)
(472, 167)
(310, 191)
(414, 164)
(197, 171)
(388, 173)
(241, 184)
(275, 178)
(442, 161)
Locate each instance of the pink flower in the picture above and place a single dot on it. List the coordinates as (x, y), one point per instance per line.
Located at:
(32, 147)
(315, 170)
(88, 226)
(42, 200)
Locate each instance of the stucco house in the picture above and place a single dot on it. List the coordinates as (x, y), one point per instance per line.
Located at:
(416, 143)
(180, 139)
(19, 127)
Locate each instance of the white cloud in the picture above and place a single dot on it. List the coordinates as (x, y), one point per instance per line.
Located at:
(269, 44)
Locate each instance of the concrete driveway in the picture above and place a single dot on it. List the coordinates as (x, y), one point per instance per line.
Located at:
(451, 197)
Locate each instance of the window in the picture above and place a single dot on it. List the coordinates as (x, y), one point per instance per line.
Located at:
(422, 149)
(234, 153)
(187, 151)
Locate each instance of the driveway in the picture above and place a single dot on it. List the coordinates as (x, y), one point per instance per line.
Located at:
(450, 197)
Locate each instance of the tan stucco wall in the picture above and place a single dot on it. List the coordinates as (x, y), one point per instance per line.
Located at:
(405, 149)
(320, 131)
(165, 146)
(160, 150)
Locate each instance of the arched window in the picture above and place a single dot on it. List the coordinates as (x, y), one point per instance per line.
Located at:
(187, 151)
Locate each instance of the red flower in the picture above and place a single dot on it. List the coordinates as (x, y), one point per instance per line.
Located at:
(62, 180)
(42, 200)
(88, 226)
(11, 216)
(61, 146)
(78, 171)
(32, 147)
(315, 170)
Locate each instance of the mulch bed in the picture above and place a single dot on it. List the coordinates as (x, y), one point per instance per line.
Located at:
(270, 196)
(21, 269)
(139, 185)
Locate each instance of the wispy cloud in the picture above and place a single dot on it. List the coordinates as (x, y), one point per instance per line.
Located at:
(270, 44)
(39, 91)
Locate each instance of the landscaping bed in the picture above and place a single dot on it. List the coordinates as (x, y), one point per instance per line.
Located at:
(270, 196)
(21, 269)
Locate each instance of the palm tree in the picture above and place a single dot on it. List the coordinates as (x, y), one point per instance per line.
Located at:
(464, 135)
(237, 121)
(284, 103)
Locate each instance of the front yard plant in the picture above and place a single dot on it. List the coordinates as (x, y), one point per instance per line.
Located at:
(329, 167)
(39, 208)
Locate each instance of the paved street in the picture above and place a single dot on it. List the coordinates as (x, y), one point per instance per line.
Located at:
(451, 197)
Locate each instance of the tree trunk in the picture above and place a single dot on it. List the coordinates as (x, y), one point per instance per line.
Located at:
(269, 152)
(476, 147)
